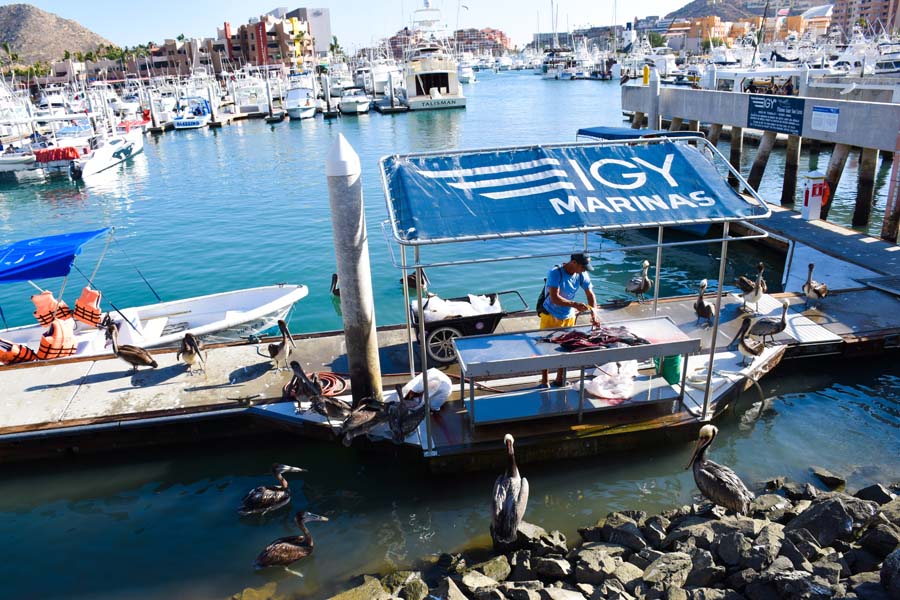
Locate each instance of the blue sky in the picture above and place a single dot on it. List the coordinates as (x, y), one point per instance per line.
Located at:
(355, 22)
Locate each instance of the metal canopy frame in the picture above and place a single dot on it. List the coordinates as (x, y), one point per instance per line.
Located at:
(417, 266)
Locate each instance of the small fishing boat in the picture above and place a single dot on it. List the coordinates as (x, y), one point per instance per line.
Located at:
(213, 318)
(300, 103)
(195, 113)
(106, 152)
(354, 101)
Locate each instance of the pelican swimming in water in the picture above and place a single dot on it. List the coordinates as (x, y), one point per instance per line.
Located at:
(510, 498)
(813, 290)
(718, 483)
(279, 352)
(267, 498)
(640, 284)
(133, 355)
(769, 326)
(335, 288)
(286, 550)
(752, 290)
(191, 352)
(703, 309)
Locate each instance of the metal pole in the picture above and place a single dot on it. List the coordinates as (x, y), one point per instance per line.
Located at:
(715, 331)
(422, 351)
(409, 347)
(659, 241)
(351, 245)
(653, 116)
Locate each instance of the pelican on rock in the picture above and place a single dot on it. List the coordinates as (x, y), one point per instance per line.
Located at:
(718, 483)
(509, 500)
(703, 309)
(812, 289)
(267, 498)
(287, 550)
(640, 284)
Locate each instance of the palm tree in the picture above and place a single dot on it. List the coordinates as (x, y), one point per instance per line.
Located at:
(335, 47)
(11, 57)
(67, 55)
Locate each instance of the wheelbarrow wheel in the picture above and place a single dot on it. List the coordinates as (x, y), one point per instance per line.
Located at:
(439, 344)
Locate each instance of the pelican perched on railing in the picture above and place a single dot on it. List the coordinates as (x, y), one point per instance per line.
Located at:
(718, 483)
(510, 498)
(813, 290)
(286, 550)
(267, 498)
(702, 308)
(279, 352)
(640, 284)
(752, 290)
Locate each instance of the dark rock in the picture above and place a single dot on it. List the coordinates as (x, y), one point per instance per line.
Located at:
(828, 478)
(890, 574)
(668, 570)
(761, 590)
(536, 539)
(768, 502)
(860, 561)
(594, 565)
(867, 586)
(370, 589)
(550, 593)
(638, 516)
(774, 484)
(520, 564)
(799, 491)
(643, 558)
(834, 516)
(620, 528)
(876, 493)
(451, 564)
(805, 543)
(473, 582)
(732, 548)
(741, 579)
(790, 551)
(794, 585)
(654, 530)
(765, 548)
(497, 568)
(782, 564)
(448, 590)
(827, 570)
(881, 539)
(697, 528)
(704, 570)
(490, 594)
(675, 593)
(521, 590)
(628, 575)
(406, 584)
(891, 511)
(551, 569)
(611, 549)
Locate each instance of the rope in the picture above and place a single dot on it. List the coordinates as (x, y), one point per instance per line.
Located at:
(136, 269)
(332, 383)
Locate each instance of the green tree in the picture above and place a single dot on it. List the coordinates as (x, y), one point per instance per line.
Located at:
(67, 55)
(79, 56)
(180, 37)
(711, 43)
(11, 57)
(334, 47)
(656, 39)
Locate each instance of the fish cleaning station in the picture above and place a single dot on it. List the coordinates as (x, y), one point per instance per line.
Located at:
(445, 388)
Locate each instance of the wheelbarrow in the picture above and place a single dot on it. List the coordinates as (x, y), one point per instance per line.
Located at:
(439, 334)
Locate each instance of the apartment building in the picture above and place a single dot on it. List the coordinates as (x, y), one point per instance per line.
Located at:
(872, 15)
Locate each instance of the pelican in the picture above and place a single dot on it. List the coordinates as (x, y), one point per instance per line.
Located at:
(191, 352)
(405, 415)
(279, 352)
(751, 290)
(267, 498)
(748, 348)
(335, 288)
(703, 309)
(510, 498)
(133, 355)
(716, 482)
(290, 549)
(769, 326)
(363, 418)
(640, 285)
(411, 281)
(812, 289)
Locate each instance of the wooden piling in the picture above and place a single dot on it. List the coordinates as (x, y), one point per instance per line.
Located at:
(737, 150)
(676, 123)
(762, 158)
(834, 172)
(715, 130)
(865, 187)
(637, 121)
(890, 227)
(815, 146)
(693, 125)
(791, 164)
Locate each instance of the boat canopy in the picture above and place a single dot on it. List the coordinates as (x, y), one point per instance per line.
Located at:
(628, 133)
(554, 189)
(43, 257)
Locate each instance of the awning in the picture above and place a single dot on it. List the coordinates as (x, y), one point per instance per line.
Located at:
(43, 257)
(507, 192)
(628, 133)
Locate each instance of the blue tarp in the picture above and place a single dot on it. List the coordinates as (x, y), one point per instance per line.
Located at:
(556, 189)
(43, 257)
(627, 133)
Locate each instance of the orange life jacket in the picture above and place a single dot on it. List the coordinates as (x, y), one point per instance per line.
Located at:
(87, 307)
(58, 341)
(47, 308)
(13, 354)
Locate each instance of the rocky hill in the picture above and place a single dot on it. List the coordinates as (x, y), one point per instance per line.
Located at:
(727, 10)
(36, 35)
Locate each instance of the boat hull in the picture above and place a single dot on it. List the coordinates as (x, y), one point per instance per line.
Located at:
(429, 103)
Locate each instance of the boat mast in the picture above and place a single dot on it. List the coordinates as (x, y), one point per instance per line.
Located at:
(761, 36)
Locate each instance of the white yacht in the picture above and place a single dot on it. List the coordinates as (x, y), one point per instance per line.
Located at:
(107, 151)
(555, 62)
(354, 101)
(300, 102)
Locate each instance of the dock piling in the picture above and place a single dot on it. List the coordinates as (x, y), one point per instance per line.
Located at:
(833, 174)
(865, 186)
(737, 150)
(791, 164)
(351, 245)
(676, 124)
(653, 116)
(715, 130)
(762, 158)
(891, 223)
(637, 121)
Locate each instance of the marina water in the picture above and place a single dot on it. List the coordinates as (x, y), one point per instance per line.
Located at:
(206, 211)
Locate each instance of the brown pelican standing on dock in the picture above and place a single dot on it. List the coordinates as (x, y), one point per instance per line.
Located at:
(770, 326)
(703, 309)
(813, 290)
(364, 417)
(752, 290)
(279, 352)
(286, 550)
(748, 348)
(718, 483)
(267, 498)
(510, 498)
(640, 284)
(191, 352)
(405, 415)
(133, 355)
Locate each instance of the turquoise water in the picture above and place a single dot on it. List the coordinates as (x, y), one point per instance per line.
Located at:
(206, 211)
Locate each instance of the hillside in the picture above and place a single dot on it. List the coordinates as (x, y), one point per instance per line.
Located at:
(36, 35)
(727, 10)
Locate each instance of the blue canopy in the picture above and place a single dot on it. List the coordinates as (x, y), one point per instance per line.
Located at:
(556, 189)
(43, 257)
(628, 133)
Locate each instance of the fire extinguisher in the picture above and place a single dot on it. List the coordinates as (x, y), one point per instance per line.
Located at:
(826, 193)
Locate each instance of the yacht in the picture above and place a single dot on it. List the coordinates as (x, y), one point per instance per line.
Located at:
(300, 102)
(556, 61)
(194, 113)
(430, 73)
(354, 101)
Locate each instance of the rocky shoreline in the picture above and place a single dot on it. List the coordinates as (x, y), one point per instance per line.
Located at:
(797, 542)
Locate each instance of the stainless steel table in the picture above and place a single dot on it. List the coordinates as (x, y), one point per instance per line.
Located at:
(524, 352)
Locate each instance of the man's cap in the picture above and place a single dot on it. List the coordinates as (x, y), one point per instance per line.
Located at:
(584, 260)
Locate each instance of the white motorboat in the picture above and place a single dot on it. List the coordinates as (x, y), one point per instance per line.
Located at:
(16, 160)
(221, 317)
(195, 113)
(300, 103)
(354, 101)
(106, 152)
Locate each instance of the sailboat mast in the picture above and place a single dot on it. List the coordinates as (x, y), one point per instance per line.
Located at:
(760, 38)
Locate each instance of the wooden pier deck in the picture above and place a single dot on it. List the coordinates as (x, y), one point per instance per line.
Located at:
(101, 404)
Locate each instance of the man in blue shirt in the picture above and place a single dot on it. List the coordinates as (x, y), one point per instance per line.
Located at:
(560, 308)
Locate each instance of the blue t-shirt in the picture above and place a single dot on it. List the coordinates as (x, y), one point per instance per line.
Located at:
(568, 286)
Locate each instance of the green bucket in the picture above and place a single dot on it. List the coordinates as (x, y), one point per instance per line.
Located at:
(669, 367)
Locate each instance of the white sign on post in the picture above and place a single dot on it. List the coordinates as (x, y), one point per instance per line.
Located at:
(825, 118)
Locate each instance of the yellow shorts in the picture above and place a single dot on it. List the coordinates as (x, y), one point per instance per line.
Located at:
(548, 321)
